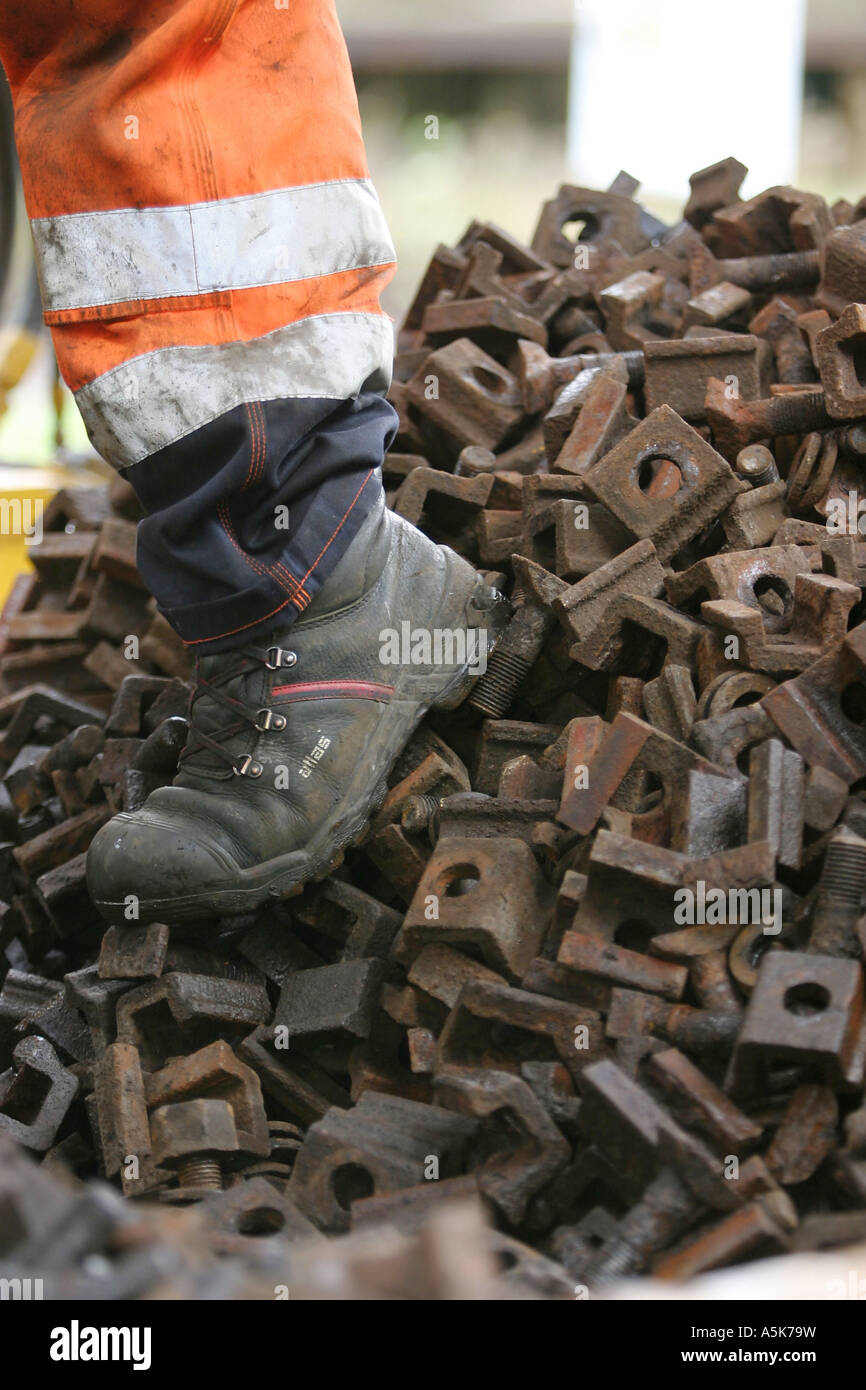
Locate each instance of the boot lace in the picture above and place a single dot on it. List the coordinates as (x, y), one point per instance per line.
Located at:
(262, 719)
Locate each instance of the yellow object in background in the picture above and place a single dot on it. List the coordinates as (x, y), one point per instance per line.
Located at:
(24, 492)
(17, 349)
(36, 426)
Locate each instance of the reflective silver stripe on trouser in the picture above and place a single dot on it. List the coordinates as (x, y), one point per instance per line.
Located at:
(86, 259)
(153, 400)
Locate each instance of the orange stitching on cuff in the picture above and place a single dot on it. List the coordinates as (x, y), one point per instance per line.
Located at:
(196, 641)
(263, 427)
(253, 447)
(295, 583)
(226, 523)
(286, 580)
(339, 527)
(290, 585)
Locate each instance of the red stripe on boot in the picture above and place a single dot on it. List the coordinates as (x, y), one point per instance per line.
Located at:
(335, 690)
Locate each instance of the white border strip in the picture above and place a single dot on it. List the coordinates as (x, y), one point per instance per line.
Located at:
(153, 400)
(90, 259)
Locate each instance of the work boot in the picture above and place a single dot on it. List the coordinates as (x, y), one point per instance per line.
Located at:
(291, 740)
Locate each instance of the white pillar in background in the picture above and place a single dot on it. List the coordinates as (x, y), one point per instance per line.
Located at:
(665, 87)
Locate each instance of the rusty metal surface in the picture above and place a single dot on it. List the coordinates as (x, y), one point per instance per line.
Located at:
(663, 482)
(678, 369)
(596, 968)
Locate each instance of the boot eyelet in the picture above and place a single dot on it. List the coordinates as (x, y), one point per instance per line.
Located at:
(266, 720)
(278, 658)
(248, 767)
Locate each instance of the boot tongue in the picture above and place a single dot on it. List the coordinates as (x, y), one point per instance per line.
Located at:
(242, 678)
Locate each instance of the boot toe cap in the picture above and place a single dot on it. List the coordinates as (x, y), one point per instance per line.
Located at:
(139, 856)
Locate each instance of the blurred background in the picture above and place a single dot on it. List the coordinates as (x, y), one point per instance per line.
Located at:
(480, 108)
(528, 95)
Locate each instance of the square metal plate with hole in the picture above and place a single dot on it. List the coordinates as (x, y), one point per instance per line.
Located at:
(806, 1011)
(663, 482)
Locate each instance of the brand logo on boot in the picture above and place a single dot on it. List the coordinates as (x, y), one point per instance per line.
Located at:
(311, 760)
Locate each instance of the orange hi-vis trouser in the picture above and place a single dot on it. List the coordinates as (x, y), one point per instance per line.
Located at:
(208, 243)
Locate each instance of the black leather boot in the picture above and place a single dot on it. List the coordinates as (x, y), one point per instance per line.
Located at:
(291, 741)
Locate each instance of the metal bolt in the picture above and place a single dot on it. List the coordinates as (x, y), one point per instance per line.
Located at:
(852, 440)
(420, 815)
(475, 460)
(522, 642)
(191, 1136)
(542, 376)
(199, 1172)
(839, 896)
(736, 423)
(785, 270)
(667, 1208)
(756, 465)
(777, 323)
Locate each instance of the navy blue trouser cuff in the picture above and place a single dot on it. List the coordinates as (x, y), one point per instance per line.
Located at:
(248, 516)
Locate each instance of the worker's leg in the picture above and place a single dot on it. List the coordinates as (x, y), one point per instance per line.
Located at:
(211, 253)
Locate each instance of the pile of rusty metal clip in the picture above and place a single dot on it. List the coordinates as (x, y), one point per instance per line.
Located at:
(588, 998)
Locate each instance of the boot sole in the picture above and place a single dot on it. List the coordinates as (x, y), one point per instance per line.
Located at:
(287, 875)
